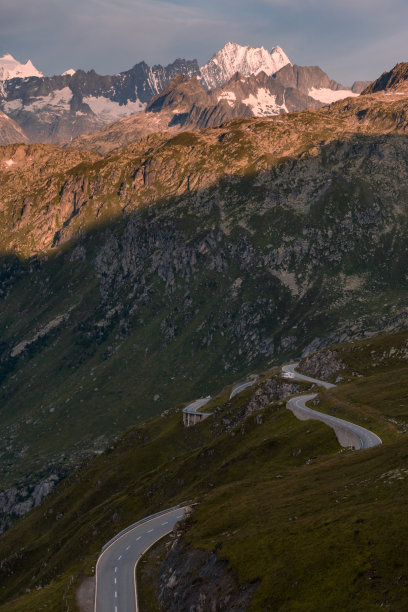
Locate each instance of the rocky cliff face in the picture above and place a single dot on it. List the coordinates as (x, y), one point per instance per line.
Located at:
(323, 365)
(18, 500)
(197, 580)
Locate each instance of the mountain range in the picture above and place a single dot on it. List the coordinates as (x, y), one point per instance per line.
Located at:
(185, 104)
(60, 108)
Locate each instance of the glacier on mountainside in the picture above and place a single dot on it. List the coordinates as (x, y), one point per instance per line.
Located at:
(234, 58)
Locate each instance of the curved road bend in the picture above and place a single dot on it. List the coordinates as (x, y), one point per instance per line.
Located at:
(348, 434)
(196, 405)
(115, 570)
(240, 387)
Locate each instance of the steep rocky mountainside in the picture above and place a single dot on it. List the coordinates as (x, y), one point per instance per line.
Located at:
(9, 131)
(359, 86)
(185, 104)
(154, 274)
(396, 80)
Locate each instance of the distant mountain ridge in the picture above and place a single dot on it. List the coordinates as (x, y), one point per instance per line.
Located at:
(395, 80)
(61, 108)
(186, 105)
(53, 109)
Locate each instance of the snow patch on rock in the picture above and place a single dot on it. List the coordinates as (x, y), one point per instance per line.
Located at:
(69, 72)
(13, 105)
(327, 96)
(229, 96)
(109, 110)
(264, 103)
(57, 99)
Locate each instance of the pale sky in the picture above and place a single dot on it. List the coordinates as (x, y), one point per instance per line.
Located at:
(350, 39)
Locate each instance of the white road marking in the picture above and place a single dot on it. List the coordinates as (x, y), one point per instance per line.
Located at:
(116, 608)
(116, 594)
(166, 523)
(150, 530)
(116, 570)
(139, 538)
(127, 548)
(181, 516)
(119, 558)
(115, 580)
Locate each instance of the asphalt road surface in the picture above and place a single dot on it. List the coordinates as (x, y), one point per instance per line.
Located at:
(195, 406)
(240, 387)
(115, 570)
(348, 434)
(291, 368)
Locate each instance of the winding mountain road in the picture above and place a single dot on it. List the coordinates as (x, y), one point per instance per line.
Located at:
(348, 434)
(115, 589)
(192, 414)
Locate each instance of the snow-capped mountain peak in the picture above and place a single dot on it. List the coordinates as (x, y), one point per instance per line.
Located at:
(69, 72)
(10, 68)
(248, 60)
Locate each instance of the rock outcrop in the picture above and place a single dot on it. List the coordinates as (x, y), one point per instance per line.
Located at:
(18, 500)
(193, 579)
(323, 365)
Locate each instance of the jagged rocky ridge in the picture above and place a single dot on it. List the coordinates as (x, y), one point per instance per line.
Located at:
(185, 104)
(53, 109)
(58, 108)
(396, 80)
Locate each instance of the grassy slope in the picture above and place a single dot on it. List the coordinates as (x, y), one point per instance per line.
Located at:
(325, 534)
(374, 393)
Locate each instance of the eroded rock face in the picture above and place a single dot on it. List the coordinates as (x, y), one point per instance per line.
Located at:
(198, 581)
(17, 501)
(323, 365)
(272, 390)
